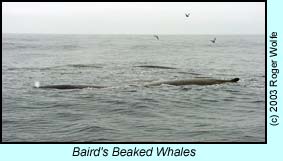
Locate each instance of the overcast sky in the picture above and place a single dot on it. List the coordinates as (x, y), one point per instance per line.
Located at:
(134, 18)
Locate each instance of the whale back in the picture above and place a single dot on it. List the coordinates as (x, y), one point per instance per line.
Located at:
(71, 86)
(194, 82)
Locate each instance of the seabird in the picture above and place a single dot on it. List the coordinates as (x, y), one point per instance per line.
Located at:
(213, 41)
(156, 37)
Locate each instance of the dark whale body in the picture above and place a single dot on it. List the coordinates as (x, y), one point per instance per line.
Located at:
(193, 82)
(70, 86)
(174, 82)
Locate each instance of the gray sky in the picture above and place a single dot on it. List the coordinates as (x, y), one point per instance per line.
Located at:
(134, 18)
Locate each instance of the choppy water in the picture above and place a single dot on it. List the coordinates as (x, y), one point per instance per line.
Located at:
(127, 111)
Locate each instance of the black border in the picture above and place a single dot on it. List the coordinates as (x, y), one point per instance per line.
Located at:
(265, 142)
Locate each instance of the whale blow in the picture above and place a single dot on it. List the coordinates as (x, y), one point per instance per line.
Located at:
(36, 84)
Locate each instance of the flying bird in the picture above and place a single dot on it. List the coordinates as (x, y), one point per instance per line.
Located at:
(213, 41)
(156, 37)
(187, 14)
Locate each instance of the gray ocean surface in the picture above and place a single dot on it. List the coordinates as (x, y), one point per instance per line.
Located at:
(127, 111)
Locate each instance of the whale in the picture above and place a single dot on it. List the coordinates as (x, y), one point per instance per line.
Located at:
(67, 86)
(64, 86)
(193, 82)
(173, 82)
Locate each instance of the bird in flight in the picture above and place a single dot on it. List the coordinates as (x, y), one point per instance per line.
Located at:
(156, 37)
(213, 41)
(187, 14)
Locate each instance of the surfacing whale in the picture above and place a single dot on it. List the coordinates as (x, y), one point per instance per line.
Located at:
(70, 86)
(174, 82)
(193, 82)
(64, 86)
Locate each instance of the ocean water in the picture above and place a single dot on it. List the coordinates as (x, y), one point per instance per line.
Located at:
(126, 110)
